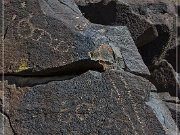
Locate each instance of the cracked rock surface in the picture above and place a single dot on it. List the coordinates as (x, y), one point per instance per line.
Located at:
(112, 102)
(66, 75)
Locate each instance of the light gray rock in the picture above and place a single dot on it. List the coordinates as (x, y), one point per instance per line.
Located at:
(163, 114)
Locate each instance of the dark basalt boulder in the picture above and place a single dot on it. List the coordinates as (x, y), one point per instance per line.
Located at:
(113, 102)
(165, 78)
(172, 56)
(151, 23)
(47, 38)
(146, 19)
(162, 15)
(118, 13)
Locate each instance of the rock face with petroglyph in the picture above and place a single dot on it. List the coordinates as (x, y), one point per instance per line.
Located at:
(151, 24)
(66, 75)
(153, 28)
(44, 41)
(93, 103)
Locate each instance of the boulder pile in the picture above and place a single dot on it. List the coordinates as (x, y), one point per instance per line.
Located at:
(89, 67)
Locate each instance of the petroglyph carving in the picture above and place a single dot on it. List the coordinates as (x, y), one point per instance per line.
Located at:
(23, 4)
(45, 37)
(125, 82)
(83, 110)
(14, 17)
(42, 36)
(65, 116)
(61, 46)
(115, 90)
(25, 28)
(120, 100)
(136, 112)
(36, 34)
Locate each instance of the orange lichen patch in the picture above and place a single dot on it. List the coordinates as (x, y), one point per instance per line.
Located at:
(104, 54)
(106, 47)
